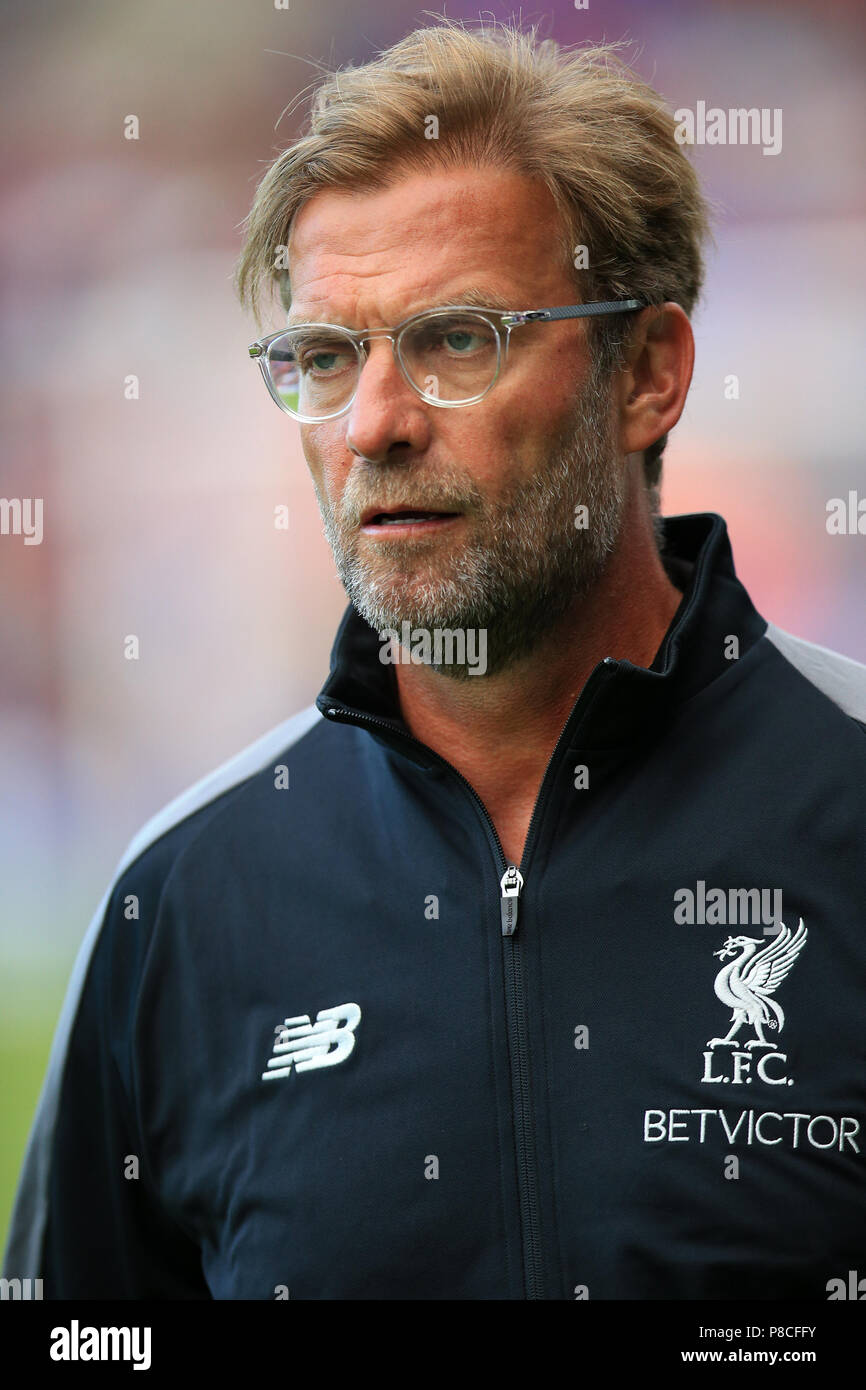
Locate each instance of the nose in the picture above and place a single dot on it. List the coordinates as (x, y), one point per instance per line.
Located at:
(386, 414)
(358, 454)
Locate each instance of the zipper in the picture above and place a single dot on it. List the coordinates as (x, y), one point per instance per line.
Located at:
(510, 888)
(527, 1168)
(511, 885)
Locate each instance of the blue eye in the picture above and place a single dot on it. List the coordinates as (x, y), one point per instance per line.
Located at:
(324, 361)
(459, 339)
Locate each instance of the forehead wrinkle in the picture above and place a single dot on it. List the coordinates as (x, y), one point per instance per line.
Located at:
(471, 296)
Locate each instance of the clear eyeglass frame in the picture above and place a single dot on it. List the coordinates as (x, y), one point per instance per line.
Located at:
(501, 321)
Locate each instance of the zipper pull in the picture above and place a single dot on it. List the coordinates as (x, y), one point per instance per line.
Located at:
(510, 885)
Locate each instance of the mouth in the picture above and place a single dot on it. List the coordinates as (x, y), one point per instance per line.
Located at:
(408, 519)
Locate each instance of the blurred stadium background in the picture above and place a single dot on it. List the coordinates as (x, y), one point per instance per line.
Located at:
(158, 513)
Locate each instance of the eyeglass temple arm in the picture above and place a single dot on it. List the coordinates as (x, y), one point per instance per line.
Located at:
(575, 311)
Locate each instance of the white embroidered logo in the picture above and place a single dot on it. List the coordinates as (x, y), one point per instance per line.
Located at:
(307, 1045)
(746, 985)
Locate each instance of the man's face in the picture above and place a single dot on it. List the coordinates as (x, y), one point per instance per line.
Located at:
(509, 471)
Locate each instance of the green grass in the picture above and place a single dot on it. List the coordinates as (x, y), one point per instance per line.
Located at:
(29, 1010)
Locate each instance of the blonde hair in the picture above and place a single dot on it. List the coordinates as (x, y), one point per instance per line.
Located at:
(579, 120)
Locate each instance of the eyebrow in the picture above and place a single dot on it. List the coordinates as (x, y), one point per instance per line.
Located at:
(470, 295)
(483, 299)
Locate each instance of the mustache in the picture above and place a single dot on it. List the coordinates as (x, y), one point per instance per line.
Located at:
(430, 495)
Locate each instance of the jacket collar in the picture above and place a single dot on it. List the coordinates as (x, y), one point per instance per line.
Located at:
(620, 702)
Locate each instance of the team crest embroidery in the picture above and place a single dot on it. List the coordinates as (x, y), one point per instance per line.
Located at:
(746, 984)
(305, 1045)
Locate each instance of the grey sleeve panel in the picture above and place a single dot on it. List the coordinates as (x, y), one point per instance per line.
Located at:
(842, 680)
(23, 1255)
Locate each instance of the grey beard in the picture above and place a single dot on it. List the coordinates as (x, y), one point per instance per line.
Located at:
(523, 566)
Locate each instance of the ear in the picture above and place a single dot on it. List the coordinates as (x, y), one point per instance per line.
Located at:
(651, 388)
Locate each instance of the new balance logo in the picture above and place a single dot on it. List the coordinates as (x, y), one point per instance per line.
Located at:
(306, 1045)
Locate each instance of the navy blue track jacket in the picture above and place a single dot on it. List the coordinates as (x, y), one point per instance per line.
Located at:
(322, 1042)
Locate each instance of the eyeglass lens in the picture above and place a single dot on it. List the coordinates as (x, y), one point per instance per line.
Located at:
(447, 357)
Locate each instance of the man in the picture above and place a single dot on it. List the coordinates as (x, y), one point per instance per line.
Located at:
(528, 963)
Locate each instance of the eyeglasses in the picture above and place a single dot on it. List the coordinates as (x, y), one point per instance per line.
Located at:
(450, 356)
